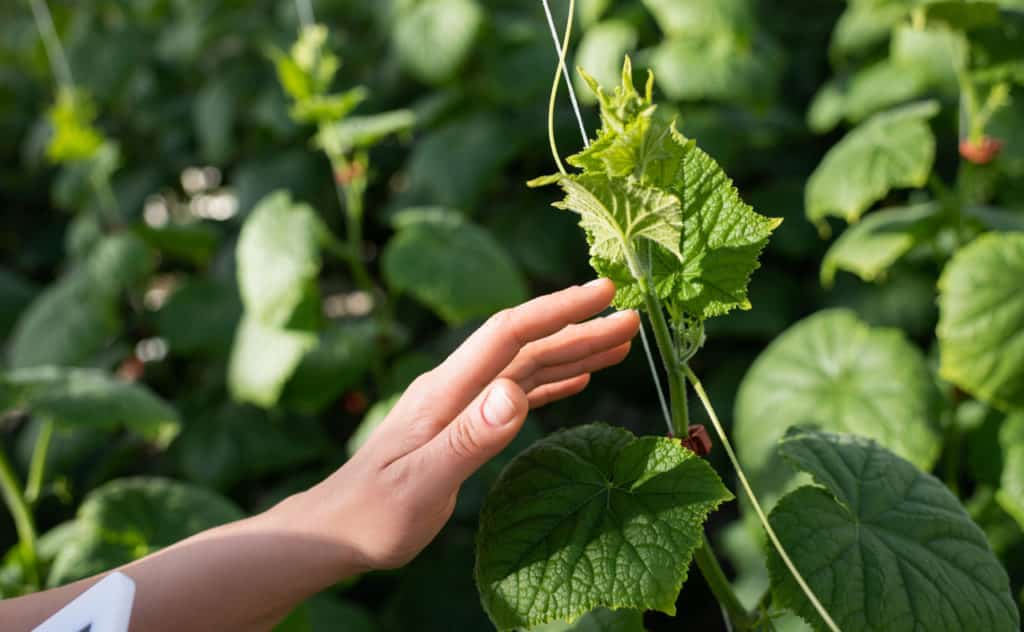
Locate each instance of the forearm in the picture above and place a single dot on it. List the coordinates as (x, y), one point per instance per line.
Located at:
(244, 575)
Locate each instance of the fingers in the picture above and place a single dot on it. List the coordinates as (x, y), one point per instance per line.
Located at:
(573, 350)
(558, 390)
(490, 349)
(479, 433)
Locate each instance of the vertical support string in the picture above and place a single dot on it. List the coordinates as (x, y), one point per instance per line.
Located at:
(586, 143)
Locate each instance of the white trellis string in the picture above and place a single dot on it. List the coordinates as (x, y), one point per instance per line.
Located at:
(586, 143)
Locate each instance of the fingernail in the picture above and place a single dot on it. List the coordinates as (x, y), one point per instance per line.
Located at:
(498, 407)
(593, 283)
(623, 313)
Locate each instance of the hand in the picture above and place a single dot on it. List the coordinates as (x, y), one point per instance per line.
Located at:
(391, 499)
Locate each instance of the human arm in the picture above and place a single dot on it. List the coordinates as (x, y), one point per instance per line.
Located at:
(390, 500)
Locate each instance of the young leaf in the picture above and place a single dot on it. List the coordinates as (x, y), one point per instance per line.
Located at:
(129, 518)
(588, 517)
(454, 267)
(834, 371)
(654, 206)
(884, 545)
(981, 319)
(1011, 489)
(890, 150)
(870, 247)
(88, 397)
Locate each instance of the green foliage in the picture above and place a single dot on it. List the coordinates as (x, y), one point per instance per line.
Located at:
(1011, 492)
(433, 38)
(982, 319)
(129, 518)
(885, 545)
(837, 373)
(452, 266)
(888, 151)
(580, 511)
(88, 397)
(600, 620)
(658, 210)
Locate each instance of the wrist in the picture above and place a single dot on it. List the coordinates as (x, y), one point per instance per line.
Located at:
(318, 535)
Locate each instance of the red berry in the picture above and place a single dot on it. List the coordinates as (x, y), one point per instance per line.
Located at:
(981, 152)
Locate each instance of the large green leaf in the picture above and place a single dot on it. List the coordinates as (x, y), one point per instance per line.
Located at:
(872, 246)
(653, 204)
(832, 370)
(588, 517)
(89, 397)
(1011, 488)
(433, 38)
(981, 319)
(263, 359)
(869, 90)
(890, 150)
(452, 266)
(278, 258)
(129, 518)
(884, 546)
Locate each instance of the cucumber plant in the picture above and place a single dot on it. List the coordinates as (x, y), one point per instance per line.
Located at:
(594, 517)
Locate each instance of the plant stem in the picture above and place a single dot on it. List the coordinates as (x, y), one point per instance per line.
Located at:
(37, 467)
(23, 523)
(772, 537)
(720, 586)
(676, 379)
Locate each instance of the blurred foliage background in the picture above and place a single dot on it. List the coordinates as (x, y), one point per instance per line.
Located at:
(203, 389)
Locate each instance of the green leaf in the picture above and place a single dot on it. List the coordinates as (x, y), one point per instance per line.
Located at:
(454, 267)
(718, 66)
(129, 518)
(67, 324)
(600, 620)
(1011, 489)
(981, 319)
(884, 546)
(872, 246)
(832, 370)
(195, 242)
(263, 359)
(16, 293)
(654, 205)
(343, 355)
(75, 136)
(890, 150)
(865, 26)
(937, 53)
(278, 258)
(696, 17)
(433, 38)
(357, 132)
(88, 397)
(589, 517)
(869, 90)
(200, 318)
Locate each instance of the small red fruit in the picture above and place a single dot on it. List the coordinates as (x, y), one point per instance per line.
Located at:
(355, 402)
(981, 152)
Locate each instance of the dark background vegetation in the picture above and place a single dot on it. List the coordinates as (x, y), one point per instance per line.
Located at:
(182, 84)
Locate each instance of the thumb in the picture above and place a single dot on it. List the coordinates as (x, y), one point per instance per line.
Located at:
(479, 433)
